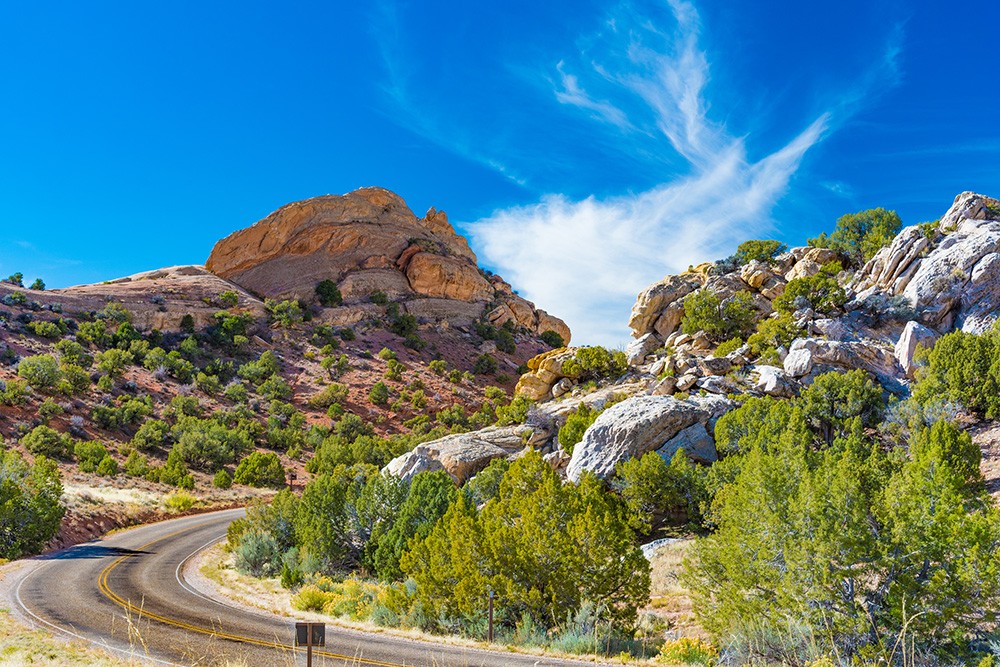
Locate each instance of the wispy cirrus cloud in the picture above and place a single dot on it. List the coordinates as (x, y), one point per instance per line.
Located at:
(639, 88)
(586, 260)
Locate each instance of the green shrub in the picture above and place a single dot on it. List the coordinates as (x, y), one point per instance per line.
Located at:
(438, 367)
(90, 453)
(209, 384)
(113, 362)
(108, 467)
(485, 365)
(514, 413)
(48, 330)
(178, 501)
(414, 342)
(44, 441)
(209, 444)
(40, 372)
(75, 380)
(468, 552)
(96, 333)
(962, 368)
(858, 236)
(49, 409)
(772, 333)
(30, 507)
(728, 346)
(595, 363)
(505, 341)
(688, 651)
(260, 469)
(275, 389)
(284, 313)
(258, 371)
(136, 465)
(394, 370)
(761, 251)
(720, 319)
(236, 392)
(174, 472)
(71, 352)
(13, 392)
(331, 394)
(404, 325)
(379, 297)
(552, 339)
(821, 292)
(385, 354)
(576, 425)
(127, 412)
(153, 433)
(655, 492)
(379, 394)
(229, 299)
(222, 480)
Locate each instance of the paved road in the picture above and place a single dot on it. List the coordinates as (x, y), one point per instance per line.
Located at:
(128, 593)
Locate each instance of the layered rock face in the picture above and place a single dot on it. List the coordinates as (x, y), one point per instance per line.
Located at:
(157, 299)
(949, 273)
(370, 241)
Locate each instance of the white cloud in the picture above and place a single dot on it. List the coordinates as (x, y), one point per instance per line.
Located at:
(587, 260)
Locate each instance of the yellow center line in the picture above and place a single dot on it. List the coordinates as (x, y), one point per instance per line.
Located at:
(102, 584)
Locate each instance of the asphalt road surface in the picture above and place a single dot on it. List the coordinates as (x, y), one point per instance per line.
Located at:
(128, 594)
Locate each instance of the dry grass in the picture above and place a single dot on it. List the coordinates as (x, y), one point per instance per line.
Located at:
(668, 598)
(22, 646)
(76, 495)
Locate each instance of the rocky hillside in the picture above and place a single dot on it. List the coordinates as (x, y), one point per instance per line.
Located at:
(369, 241)
(765, 326)
(410, 341)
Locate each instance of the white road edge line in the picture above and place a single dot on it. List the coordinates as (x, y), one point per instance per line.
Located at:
(131, 654)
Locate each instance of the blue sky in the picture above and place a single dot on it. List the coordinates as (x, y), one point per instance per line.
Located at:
(586, 148)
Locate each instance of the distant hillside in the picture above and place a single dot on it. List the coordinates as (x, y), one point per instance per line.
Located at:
(407, 339)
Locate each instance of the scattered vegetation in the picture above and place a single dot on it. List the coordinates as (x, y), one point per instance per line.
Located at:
(858, 236)
(721, 319)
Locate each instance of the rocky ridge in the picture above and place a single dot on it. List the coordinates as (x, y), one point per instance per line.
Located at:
(931, 279)
(369, 241)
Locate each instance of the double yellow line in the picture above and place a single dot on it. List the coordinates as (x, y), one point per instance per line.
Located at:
(102, 584)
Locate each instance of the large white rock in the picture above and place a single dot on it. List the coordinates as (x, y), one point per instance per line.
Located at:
(638, 349)
(629, 429)
(409, 465)
(773, 381)
(799, 362)
(461, 455)
(696, 443)
(914, 335)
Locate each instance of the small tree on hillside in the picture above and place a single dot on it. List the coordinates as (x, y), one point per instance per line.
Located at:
(328, 294)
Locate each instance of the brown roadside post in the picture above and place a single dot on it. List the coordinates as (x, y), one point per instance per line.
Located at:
(309, 635)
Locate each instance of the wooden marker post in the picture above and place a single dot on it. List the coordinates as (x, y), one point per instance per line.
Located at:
(309, 635)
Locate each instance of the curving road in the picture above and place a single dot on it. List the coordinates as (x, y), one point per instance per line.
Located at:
(128, 594)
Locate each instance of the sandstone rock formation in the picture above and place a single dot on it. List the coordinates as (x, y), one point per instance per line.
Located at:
(157, 299)
(370, 241)
(630, 429)
(462, 455)
(950, 274)
(914, 335)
